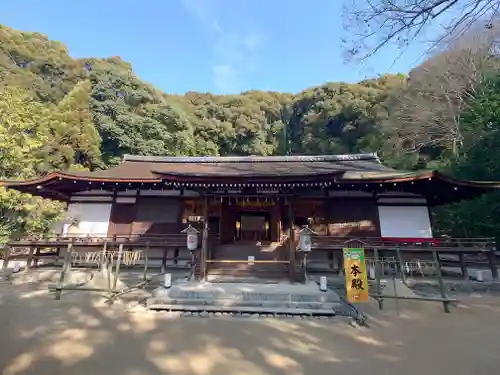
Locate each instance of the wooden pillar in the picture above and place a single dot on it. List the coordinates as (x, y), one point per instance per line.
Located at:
(204, 241)
(227, 222)
(275, 223)
(291, 241)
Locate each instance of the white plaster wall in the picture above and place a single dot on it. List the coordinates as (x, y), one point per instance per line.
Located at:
(405, 221)
(94, 218)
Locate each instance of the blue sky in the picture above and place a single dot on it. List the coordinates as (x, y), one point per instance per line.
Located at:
(221, 46)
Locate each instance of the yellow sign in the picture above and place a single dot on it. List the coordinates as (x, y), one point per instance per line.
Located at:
(355, 275)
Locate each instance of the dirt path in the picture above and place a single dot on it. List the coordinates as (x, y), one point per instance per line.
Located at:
(80, 335)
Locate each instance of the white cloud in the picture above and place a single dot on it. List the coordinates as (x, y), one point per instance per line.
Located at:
(226, 78)
(235, 49)
(205, 11)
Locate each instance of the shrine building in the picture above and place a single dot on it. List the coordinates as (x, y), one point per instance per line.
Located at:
(248, 207)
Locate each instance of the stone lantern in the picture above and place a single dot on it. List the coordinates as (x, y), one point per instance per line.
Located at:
(191, 238)
(305, 239)
(192, 245)
(305, 246)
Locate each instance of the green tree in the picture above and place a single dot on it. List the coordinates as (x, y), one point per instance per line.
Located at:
(24, 134)
(478, 161)
(24, 137)
(77, 139)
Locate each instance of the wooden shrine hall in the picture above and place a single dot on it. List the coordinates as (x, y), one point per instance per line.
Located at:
(249, 209)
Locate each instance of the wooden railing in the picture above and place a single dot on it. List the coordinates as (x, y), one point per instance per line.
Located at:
(406, 244)
(452, 252)
(167, 247)
(173, 247)
(175, 239)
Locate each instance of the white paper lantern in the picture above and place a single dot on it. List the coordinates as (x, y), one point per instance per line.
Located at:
(305, 239)
(192, 241)
(191, 238)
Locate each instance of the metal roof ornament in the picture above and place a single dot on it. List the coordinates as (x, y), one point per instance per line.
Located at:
(306, 230)
(190, 229)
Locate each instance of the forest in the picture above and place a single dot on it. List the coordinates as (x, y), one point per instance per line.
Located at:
(60, 113)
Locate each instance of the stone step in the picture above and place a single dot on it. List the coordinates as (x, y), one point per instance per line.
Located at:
(249, 279)
(258, 299)
(279, 298)
(156, 301)
(248, 293)
(244, 309)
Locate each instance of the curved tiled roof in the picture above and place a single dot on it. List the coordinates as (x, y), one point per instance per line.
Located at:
(153, 167)
(321, 170)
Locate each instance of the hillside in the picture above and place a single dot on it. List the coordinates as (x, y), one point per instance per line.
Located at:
(132, 117)
(61, 113)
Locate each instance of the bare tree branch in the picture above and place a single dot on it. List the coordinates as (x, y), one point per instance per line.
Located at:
(373, 24)
(427, 112)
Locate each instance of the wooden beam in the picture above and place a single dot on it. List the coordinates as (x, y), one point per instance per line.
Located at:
(204, 241)
(291, 242)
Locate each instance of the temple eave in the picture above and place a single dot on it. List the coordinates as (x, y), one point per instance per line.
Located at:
(438, 188)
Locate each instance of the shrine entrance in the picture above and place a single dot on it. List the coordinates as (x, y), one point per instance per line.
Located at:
(250, 220)
(252, 226)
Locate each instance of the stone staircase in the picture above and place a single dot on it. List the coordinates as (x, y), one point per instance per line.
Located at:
(242, 270)
(250, 298)
(264, 250)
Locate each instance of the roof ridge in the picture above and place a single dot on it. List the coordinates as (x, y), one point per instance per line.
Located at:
(250, 159)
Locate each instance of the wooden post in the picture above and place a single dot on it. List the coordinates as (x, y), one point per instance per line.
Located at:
(164, 262)
(378, 276)
(291, 254)
(108, 266)
(37, 254)
(493, 264)
(66, 267)
(401, 264)
(442, 287)
(463, 266)
(117, 267)
(146, 259)
(103, 256)
(204, 241)
(30, 258)
(6, 256)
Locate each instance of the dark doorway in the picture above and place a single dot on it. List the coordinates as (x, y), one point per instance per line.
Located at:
(253, 226)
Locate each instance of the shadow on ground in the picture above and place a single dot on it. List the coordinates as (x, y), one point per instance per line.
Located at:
(81, 335)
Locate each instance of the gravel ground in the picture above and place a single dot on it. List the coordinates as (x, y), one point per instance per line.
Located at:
(456, 288)
(81, 335)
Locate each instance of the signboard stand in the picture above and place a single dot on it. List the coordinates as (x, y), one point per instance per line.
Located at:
(356, 275)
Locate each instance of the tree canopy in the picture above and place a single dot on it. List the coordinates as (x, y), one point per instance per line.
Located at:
(60, 113)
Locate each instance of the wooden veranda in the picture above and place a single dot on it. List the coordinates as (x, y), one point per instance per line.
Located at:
(170, 251)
